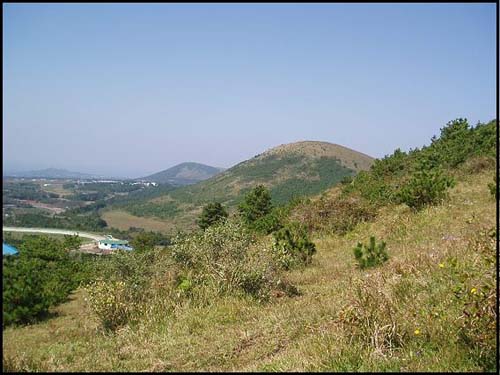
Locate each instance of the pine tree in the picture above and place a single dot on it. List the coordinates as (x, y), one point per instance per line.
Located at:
(370, 255)
(256, 205)
(212, 213)
(427, 186)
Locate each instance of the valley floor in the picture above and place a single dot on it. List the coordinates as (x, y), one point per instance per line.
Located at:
(405, 315)
(124, 221)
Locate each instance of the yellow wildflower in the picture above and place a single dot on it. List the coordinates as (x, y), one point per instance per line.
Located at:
(417, 332)
(441, 265)
(473, 290)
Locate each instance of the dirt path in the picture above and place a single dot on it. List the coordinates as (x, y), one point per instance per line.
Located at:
(95, 237)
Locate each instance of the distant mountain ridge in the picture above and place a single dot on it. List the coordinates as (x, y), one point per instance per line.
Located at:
(184, 174)
(52, 173)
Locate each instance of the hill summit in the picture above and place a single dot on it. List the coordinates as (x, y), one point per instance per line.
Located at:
(349, 158)
(184, 174)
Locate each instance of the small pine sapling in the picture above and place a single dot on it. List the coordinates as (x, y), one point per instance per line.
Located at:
(370, 255)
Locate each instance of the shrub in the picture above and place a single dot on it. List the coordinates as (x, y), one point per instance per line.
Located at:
(477, 164)
(346, 180)
(41, 276)
(184, 284)
(72, 242)
(224, 259)
(493, 187)
(226, 241)
(370, 187)
(484, 139)
(271, 222)
(455, 143)
(111, 302)
(218, 256)
(478, 294)
(335, 215)
(371, 317)
(426, 187)
(255, 205)
(212, 213)
(148, 240)
(136, 269)
(129, 282)
(254, 283)
(292, 246)
(370, 255)
(390, 164)
(23, 291)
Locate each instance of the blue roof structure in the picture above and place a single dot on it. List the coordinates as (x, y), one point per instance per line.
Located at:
(9, 250)
(121, 247)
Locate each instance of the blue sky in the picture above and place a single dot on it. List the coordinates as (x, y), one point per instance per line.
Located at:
(131, 89)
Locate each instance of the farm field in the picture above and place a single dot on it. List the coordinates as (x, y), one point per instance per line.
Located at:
(55, 187)
(123, 220)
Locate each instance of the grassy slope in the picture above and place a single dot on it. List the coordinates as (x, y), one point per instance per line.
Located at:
(309, 332)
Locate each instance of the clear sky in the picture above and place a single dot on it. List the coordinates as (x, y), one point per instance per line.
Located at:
(131, 89)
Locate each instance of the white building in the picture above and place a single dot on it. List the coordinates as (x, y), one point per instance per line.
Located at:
(110, 243)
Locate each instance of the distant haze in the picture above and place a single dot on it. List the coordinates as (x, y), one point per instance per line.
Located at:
(128, 90)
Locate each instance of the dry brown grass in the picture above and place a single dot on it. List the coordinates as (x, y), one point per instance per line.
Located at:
(349, 158)
(123, 220)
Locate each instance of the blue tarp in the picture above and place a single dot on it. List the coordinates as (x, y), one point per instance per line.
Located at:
(9, 250)
(121, 247)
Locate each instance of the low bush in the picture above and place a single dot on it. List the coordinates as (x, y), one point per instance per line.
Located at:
(292, 246)
(271, 222)
(129, 285)
(111, 303)
(184, 284)
(370, 187)
(255, 205)
(477, 291)
(211, 214)
(337, 215)
(428, 186)
(477, 164)
(225, 259)
(23, 294)
(492, 186)
(371, 317)
(148, 240)
(41, 276)
(370, 255)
